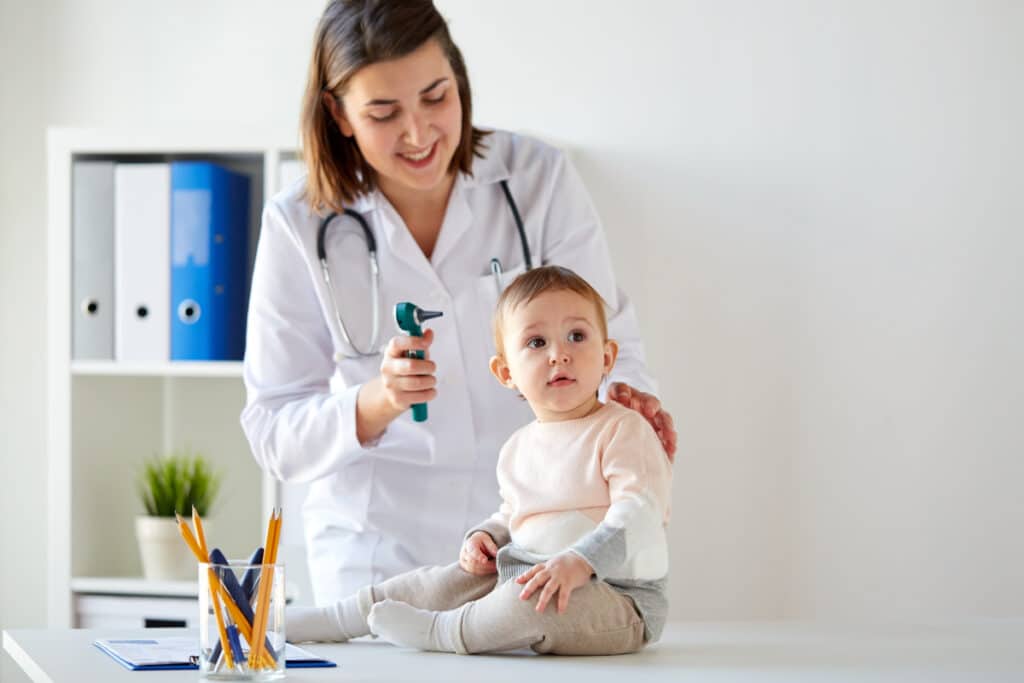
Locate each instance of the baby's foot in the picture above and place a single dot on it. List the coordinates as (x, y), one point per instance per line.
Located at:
(406, 625)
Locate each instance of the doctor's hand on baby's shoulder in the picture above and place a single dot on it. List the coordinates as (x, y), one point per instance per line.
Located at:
(478, 553)
(562, 574)
(402, 382)
(649, 406)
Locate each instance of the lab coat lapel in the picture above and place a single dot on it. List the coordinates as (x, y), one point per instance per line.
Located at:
(401, 243)
(457, 219)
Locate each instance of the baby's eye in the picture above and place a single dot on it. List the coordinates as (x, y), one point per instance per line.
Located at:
(535, 343)
(577, 336)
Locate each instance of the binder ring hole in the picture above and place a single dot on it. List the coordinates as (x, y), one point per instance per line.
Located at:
(189, 311)
(142, 312)
(90, 306)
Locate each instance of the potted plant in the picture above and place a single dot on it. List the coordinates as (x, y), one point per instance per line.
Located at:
(173, 483)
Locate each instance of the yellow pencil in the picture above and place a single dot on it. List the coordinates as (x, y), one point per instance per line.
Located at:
(203, 556)
(266, 583)
(200, 534)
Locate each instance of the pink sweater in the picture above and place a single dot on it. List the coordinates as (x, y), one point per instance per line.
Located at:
(598, 485)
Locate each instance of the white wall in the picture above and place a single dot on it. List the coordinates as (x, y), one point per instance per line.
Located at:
(816, 206)
(22, 327)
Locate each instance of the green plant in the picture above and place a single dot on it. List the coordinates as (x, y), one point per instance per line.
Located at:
(176, 482)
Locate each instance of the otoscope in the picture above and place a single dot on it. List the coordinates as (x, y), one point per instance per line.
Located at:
(409, 317)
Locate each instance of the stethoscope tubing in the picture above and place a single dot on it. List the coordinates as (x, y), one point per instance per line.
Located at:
(371, 246)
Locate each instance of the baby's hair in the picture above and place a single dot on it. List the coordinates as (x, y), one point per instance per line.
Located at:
(537, 281)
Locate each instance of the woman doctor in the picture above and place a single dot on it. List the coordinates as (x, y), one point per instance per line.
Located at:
(387, 132)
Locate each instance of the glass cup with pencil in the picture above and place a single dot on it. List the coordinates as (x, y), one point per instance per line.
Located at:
(241, 607)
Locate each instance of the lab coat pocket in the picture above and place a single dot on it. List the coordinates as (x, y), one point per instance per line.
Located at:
(489, 288)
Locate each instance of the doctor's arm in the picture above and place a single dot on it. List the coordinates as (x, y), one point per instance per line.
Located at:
(574, 238)
(297, 428)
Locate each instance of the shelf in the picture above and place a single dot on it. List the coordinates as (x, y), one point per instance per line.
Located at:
(136, 586)
(103, 416)
(106, 368)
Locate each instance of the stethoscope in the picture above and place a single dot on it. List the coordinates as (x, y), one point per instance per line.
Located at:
(371, 246)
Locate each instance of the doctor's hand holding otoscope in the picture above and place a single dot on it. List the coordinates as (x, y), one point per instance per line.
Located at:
(406, 379)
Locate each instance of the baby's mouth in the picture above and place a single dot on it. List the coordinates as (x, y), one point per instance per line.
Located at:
(561, 381)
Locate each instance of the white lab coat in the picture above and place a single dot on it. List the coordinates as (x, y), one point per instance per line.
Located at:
(378, 509)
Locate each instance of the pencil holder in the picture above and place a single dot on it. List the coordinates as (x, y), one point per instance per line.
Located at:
(241, 621)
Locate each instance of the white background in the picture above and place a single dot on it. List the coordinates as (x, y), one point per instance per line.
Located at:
(817, 206)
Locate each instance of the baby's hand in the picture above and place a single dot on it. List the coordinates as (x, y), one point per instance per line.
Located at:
(478, 553)
(562, 574)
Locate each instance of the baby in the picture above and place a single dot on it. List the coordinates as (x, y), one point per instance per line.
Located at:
(575, 561)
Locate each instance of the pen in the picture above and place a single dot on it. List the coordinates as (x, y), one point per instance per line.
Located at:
(248, 585)
(496, 271)
(238, 596)
(236, 646)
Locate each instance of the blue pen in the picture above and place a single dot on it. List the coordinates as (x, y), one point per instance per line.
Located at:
(235, 643)
(252, 573)
(227, 577)
(248, 586)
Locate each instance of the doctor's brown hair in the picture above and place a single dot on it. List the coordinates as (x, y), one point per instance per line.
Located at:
(353, 34)
(537, 281)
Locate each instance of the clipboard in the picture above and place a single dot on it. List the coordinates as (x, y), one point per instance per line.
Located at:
(161, 654)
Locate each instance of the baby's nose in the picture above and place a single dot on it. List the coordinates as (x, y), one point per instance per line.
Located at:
(558, 356)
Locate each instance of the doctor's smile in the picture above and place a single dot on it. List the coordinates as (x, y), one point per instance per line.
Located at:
(420, 159)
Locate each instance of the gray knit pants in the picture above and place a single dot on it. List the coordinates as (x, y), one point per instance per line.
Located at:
(492, 618)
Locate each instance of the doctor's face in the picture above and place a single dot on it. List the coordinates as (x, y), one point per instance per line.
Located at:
(406, 117)
(554, 354)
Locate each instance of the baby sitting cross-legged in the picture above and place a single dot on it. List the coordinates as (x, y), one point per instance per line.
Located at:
(575, 561)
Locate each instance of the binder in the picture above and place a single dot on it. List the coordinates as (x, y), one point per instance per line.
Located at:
(92, 248)
(141, 278)
(209, 259)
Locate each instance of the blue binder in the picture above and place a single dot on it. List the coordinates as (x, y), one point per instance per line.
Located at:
(209, 258)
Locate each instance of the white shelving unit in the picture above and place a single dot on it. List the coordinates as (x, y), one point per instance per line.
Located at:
(105, 417)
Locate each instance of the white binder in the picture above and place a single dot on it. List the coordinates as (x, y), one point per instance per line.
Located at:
(92, 228)
(142, 266)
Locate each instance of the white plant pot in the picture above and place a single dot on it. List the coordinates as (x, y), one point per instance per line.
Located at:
(165, 556)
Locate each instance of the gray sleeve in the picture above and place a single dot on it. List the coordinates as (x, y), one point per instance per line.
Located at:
(604, 548)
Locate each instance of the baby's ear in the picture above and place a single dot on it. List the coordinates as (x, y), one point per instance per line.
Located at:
(499, 368)
(611, 352)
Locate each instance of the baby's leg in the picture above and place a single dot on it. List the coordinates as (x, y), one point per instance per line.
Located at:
(433, 588)
(599, 621)
(436, 588)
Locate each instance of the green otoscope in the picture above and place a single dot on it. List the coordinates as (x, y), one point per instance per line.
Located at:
(409, 317)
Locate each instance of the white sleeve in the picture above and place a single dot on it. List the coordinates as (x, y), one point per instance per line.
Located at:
(297, 429)
(573, 237)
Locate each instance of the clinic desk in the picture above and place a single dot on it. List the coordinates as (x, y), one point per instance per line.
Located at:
(977, 651)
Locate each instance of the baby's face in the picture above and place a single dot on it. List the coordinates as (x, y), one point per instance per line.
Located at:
(555, 355)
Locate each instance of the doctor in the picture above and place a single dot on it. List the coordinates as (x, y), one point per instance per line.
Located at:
(452, 213)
